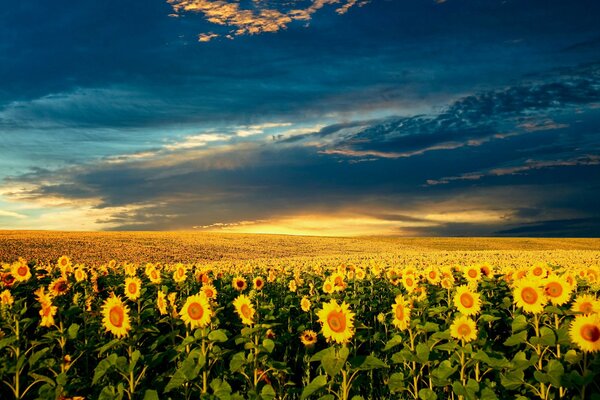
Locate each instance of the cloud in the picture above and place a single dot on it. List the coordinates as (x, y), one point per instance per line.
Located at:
(587, 160)
(256, 20)
(11, 214)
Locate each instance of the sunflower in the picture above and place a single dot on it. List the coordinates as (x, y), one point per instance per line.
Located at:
(472, 274)
(305, 304)
(432, 275)
(133, 288)
(47, 313)
(337, 321)
(557, 289)
(59, 286)
(259, 283)
(585, 332)
(209, 291)
(401, 312)
(153, 274)
(308, 338)
(463, 328)
(338, 281)
(528, 295)
(328, 286)
(6, 298)
(292, 286)
(466, 301)
(161, 302)
(487, 270)
(586, 304)
(130, 269)
(20, 271)
(115, 316)
(447, 282)
(538, 271)
(239, 283)
(410, 282)
(180, 273)
(360, 274)
(80, 274)
(172, 297)
(244, 308)
(64, 263)
(196, 311)
(42, 296)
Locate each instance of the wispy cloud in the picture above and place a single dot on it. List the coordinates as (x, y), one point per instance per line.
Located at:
(260, 18)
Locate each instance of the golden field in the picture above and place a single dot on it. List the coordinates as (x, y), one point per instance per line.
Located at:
(187, 315)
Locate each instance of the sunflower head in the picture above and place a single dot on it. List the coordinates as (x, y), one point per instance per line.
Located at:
(463, 328)
(401, 313)
(528, 295)
(196, 311)
(180, 273)
(585, 332)
(6, 298)
(467, 301)
(209, 291)
(305, 304)
(245, 309)
(239, 283)
(133, 288)
(586, 304)
(59, 286)
(161, 302)
(116, 316)
(328, 286)
(472, 273)
(259, 283)
(432, 275)
(337, 321)
(20, 271)
(557, 290)
(47, 313)
(308, 338)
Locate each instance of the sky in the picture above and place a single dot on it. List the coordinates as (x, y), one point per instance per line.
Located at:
(318, 117)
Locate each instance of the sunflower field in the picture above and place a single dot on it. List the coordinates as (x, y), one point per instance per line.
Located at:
(309, 330)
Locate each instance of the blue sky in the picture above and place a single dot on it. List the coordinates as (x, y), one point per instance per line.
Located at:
(326, 117)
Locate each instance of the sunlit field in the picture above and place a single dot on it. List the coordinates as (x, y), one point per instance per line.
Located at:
(224, 316)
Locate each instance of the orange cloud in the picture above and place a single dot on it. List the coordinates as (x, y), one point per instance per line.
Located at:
(257, 20)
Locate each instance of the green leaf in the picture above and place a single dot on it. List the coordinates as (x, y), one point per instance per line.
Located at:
(443, 372)
(221, 389)
(177, 380)
(427, 394)
(72, 331)
(516, 339)
(103, 367)
(35, 357)
(367, 363)
(7, 342)
(393, 342)
(492, 362)
(217, 336)
(512, 380)
(555, 372)
(519, 323)
(488, 318)
(267, 392)
(237, 361)
(151, 395)
(108, 346)
(269, 345)
(316, 384)
(429, 327)
(546, 338)
(319, 355)
(334, 362)
(135, 356)
(573, 357)
(422, 352)
(396, 382)
(488, 394)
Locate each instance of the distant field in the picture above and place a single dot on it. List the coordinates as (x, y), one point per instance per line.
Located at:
(98, 247)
